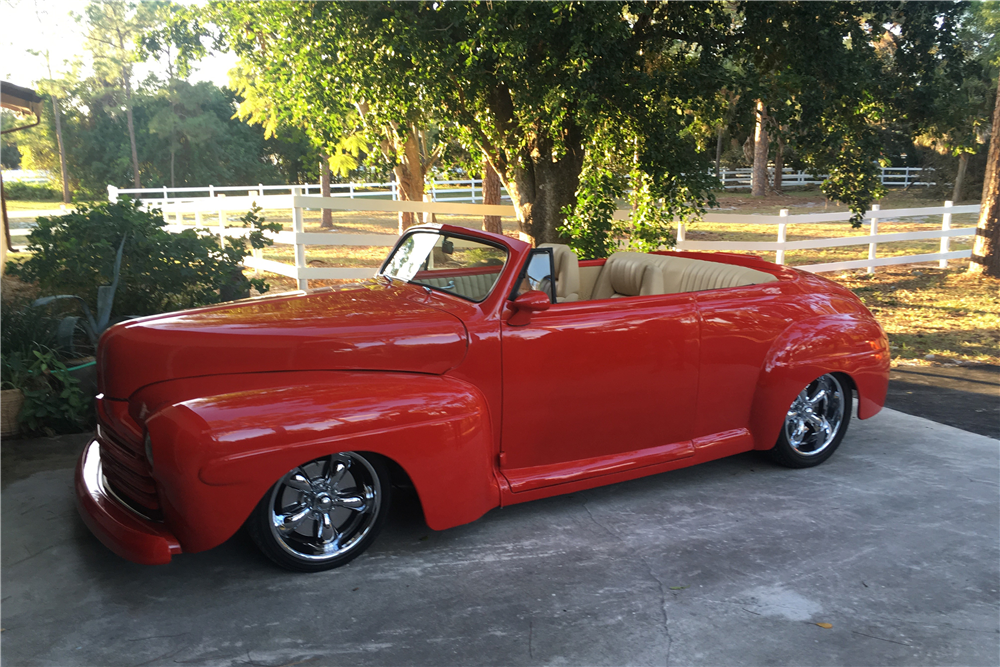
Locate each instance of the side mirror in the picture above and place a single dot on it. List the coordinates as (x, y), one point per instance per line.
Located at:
(534, 301)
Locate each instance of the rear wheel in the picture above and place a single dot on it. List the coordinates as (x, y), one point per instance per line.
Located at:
(324, 513)
(815, 423)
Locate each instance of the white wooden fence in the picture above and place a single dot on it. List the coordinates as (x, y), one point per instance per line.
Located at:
(468, 190)
(220, 208)
(733, 179)
(300, 239)
(872, 240)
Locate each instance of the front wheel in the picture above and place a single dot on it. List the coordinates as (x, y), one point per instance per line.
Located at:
(324, 513)
(815, 423)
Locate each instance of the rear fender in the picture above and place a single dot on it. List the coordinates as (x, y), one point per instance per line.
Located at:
(851, 344)
(216, 455)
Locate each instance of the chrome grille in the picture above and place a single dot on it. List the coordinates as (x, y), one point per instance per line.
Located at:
(127, 473)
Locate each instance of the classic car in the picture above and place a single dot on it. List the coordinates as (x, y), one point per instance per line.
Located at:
(478, 369)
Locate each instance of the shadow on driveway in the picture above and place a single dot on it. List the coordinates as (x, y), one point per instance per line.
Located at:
(966, 397)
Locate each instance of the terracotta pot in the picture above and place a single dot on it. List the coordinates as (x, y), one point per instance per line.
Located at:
(11, 401)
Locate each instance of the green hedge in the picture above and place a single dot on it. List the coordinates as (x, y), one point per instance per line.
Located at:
(31, 192)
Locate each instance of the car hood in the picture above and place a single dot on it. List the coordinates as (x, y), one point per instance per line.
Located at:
(374, 326)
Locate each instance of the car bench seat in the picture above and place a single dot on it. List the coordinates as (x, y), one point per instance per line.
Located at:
(567, 268)
(639, 274)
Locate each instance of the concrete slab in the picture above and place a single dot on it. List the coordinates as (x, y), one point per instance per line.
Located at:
(894, 542)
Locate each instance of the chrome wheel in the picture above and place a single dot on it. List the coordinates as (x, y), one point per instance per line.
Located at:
(815, 423)
(323, 513)
(814, 418)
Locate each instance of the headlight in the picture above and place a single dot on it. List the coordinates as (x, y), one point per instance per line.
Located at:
(149, 450)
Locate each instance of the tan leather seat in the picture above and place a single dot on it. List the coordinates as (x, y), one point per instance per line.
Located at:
(681, 274)
(629, 274)
(638, 274)
(567, 268)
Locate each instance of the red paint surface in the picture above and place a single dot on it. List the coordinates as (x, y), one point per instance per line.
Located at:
(478, 410)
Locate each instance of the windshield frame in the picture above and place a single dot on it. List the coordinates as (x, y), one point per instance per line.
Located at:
(447, 235)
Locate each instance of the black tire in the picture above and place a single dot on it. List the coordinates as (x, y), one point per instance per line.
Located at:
(324, 513)
(815, 423)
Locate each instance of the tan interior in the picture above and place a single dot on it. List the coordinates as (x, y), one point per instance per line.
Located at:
(639, 274)
(567, 268)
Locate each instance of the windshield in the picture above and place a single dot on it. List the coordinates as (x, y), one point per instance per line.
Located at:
(459, 266)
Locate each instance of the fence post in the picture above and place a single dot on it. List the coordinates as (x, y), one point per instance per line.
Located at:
(873, 230)
(112, 194)
(681, 234)
(211, 191)
(261, 190)
(472, 187)
(395, 197)
(779, 256)
(945, 240)
(222, 225)
(351, 190)
(434, 196)
(300, 249)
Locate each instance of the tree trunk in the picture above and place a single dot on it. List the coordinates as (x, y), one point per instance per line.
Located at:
(718, 151)
(758, 180)
(62, 151)
(324, 189)
(409, 177)
(779, 164)
(543, 186)
(986, 250)
(963, 164)
(491, 196)
(5, 243)
(131, 132)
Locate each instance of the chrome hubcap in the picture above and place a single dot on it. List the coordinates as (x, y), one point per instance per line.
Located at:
(322, 509)
(815, 416)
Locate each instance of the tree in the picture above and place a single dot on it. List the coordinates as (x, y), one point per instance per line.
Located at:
(986, 249)
(529, 85)
(175, 38)
(952, 111)
(829, 76)
(281, 87)
(113, 28)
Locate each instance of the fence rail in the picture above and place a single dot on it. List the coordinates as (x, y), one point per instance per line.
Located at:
(467, 190)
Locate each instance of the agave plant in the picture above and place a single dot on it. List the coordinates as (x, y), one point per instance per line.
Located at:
(93, 327)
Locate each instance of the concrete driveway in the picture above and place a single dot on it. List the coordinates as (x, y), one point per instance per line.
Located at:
(893, 542)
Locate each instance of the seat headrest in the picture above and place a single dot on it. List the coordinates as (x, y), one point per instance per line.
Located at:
(632, 274)
(567, 267)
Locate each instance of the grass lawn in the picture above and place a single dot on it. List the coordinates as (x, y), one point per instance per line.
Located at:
(22, 205)
(929, 311)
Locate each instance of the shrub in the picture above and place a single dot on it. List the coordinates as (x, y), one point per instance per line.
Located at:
(23, 328)
(160, 271)
(53, 401)
(31, 192)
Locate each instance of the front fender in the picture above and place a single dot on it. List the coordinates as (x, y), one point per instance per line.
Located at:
(852, 344)
(217, 453)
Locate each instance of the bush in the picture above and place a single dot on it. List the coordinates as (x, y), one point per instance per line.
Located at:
(53, 401)
(31, 192)
(160, 271)
(23, 328)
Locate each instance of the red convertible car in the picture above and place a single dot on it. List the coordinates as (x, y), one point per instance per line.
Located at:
(480, 370)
